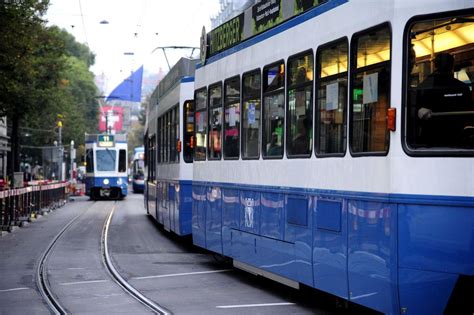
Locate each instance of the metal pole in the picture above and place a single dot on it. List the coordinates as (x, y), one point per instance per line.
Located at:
(73, 156)
(60, 148)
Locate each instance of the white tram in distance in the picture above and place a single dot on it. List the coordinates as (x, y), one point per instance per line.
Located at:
(106, 166)
(334, 148)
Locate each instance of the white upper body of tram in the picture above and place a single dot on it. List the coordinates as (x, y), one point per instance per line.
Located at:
(391, 170)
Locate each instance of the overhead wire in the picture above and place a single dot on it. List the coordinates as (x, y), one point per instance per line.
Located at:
(83, 24)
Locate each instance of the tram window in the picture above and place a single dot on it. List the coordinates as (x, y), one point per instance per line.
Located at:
(215, 122)
(299, 134)
(170, 115)
(174, 134)
(162, 136)
(153, 157)
(105, 160)
(200, 118)
(122, 167)
(440, 79)
(188, 131)
(370, 93)
(331, 99)
(273, 110)
(167, 136)
(89, 161)
(251, 89)
(159, 139)
(231, 117)
(145, 144)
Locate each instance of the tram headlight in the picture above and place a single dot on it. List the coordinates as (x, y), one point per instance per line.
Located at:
(106, 181)
(119, 181)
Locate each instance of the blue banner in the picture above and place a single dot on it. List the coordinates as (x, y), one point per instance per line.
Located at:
(130, 89)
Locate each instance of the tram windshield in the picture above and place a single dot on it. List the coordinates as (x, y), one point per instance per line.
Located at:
(138, 169)
(440, 107)
(105, 160)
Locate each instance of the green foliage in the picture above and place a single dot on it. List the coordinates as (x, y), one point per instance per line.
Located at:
(136, 132)
(28, 57)
(73, 48)
(44, 72)
(135, 137)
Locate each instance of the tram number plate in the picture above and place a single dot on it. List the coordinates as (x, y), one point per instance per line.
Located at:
(105, 192)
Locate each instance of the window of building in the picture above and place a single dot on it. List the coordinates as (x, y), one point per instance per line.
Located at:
(188, 131)
(200, 118)
(299, 140)
(273, 110)
(231, 117)
(332, 62)
(215, 122)
(440, 75)
(370, 94)
(251, 90)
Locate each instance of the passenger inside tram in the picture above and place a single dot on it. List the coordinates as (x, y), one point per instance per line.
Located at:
(301, 141)
(443, 105)
(274, 147)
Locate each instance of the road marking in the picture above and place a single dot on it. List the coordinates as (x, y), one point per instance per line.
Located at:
(83, 282)
(14, 289)
(255, 305)
(181, 274)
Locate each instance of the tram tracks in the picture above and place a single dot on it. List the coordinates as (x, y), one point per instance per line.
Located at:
(42, 275)
(44, 285)
(119, 279)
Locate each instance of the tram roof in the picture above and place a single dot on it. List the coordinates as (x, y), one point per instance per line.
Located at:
(182, 71)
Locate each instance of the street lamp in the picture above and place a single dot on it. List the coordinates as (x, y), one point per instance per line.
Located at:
(73, 157)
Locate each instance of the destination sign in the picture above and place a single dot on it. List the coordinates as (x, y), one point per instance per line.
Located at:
(105, 141)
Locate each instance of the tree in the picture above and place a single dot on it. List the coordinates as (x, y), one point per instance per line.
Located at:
(43, 72)
(29, 64)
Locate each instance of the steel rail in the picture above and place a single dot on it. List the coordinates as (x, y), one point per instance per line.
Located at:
(119, 279)
(42, 275)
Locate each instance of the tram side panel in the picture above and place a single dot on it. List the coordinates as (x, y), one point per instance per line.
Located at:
(360, 239)
(436, 250)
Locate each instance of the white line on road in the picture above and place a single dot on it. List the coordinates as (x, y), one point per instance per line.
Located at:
(255, 305)
(181, 274)
(83, 282)
(14, 289)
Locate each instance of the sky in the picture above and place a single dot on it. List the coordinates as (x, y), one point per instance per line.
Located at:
(133, 26)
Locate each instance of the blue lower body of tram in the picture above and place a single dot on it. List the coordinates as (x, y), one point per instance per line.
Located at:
(383, 251)
(110, 187)
(138, 185)
(170, 203)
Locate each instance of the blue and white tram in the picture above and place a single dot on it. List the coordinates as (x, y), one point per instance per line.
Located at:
(106, 166)
(314, 160)
(169, 149)
(137, 170)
